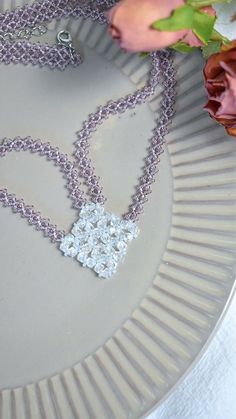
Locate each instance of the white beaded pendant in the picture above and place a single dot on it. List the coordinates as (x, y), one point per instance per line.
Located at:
(99, 239)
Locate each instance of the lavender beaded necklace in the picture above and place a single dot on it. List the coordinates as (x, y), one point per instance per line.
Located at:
(98, 239)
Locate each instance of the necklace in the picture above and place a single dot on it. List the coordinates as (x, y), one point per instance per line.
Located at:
(15, 48)
(98, 239)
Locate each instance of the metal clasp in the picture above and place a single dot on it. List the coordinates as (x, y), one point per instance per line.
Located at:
(24, 33)
(64, 38)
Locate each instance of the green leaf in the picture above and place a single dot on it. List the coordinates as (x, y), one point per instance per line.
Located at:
(212, 48)
(186, 17)
(180, 18)
(143, 54)
(182, 47)
(203, 25)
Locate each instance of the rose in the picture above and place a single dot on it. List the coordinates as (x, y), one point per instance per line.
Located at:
(131, 20)
(220, 82)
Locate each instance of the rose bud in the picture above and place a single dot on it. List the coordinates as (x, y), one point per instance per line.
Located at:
(131, 25)
(220, 83)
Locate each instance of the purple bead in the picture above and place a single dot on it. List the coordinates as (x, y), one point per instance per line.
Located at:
(59, 235)
(82, 143)
(2, 151)
(151, 159)
(96, 190)
(72, 185)
(80, 154)
(93, 180)
(145, 189)
(122, 106)
(3, 194)
(54, 154)
(67, 167)
(151, 170)
(62, 159)
(72, 175)
(36, 146)
(139, 197)
(101, 199)
(28, 211)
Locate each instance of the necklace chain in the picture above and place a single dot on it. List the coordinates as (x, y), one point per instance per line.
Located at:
(25, 33)
(44, 11)
(162, 71)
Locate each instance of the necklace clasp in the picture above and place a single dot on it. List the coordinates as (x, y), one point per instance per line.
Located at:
(64, 38)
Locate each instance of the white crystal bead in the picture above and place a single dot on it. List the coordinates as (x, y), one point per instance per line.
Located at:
(102, 223)
(90, 263)
(69, 246)
(121, 246)
(99, 268)
(82, 258)
(105, 236)
(131, 229)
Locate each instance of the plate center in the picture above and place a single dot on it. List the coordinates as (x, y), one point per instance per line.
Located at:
(53, 312)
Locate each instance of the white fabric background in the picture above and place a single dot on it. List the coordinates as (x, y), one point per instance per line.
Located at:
(209, 391)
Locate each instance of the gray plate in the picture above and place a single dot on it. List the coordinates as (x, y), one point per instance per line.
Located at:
(76, 347)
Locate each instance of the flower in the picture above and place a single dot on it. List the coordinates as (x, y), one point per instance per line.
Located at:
(131, 25)
(220, 82)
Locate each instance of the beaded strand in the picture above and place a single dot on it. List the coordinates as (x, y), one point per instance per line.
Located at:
(66, 167)
(162, 70)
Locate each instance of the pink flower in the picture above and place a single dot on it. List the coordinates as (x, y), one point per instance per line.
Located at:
(131, 20)
(220, 82)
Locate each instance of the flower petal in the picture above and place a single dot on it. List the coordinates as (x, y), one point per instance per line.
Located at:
(132, 19)
(231, 131)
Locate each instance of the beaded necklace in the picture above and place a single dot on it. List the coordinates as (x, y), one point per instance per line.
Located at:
(98, 239)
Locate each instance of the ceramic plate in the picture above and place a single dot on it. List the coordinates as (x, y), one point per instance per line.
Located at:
(73, 346)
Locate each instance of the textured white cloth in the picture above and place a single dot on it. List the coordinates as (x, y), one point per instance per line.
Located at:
(224, 22)
(209, 391)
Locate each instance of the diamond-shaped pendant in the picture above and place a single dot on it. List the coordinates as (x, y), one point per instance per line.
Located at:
(99, 239)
